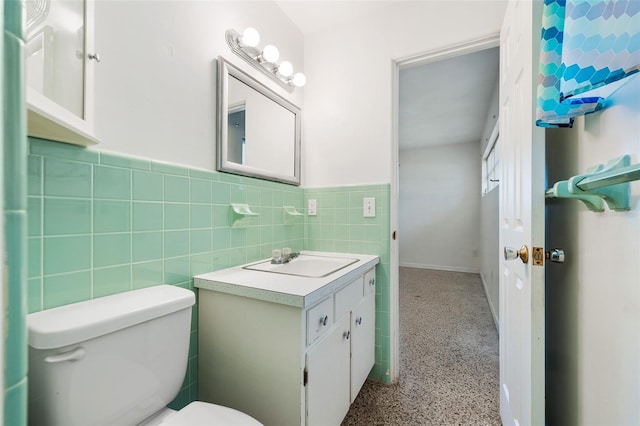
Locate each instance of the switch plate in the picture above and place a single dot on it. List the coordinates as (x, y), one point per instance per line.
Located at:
(312, 208)
(369, 207)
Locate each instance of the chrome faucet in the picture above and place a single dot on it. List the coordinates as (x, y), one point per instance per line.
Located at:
(283, 256)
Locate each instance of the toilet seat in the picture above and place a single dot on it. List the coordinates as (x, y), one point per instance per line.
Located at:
(200, 413)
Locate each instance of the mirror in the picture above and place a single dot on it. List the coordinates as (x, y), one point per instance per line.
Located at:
(258, 131)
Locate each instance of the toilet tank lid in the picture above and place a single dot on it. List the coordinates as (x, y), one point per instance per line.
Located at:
(77, 322)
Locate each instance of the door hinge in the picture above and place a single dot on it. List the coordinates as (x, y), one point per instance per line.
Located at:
(538, 256)
(305, 377)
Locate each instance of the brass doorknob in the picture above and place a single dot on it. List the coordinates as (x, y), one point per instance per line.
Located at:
(511, 254)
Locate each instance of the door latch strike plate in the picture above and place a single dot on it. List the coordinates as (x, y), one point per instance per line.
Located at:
(538, 256)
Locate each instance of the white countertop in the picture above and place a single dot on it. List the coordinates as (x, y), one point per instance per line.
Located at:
(290, 290)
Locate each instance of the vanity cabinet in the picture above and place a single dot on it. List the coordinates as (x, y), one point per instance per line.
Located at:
(59, 64)
(287, 365)
(338, 365)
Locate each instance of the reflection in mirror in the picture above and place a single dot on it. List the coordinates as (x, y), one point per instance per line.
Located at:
(236, 134)
(258, 131)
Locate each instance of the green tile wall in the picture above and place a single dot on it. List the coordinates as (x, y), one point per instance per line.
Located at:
(14, 210)
(100, 224)
(162, 223)
(339, 226)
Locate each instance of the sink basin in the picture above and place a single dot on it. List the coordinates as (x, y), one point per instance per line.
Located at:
(305, 266)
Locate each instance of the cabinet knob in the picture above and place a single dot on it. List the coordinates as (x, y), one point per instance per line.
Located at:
(346, 334)
(372, 281)
(324, 320)
(359, 320)
(94, 56)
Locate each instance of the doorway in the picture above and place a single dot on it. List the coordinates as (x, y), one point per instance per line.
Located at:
(397, 213)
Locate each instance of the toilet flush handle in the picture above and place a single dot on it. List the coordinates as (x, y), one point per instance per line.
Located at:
(75, 355)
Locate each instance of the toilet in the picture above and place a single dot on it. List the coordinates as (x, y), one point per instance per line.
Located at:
(116, 360)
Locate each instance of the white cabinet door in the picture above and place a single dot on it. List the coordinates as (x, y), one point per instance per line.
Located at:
(363, 336)
(59, 71)
(328, 377)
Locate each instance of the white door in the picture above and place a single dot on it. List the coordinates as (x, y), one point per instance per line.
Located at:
(522, 186)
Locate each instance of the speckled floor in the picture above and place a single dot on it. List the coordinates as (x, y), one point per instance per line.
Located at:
(449, 368)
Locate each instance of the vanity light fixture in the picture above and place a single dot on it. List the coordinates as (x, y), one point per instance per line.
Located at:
(285, 69)
(270, 54)
(249, 38)
(245, 45)
(299, 79)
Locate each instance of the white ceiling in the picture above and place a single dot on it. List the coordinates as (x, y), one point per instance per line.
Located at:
(441, 102)
(314, 15)
(447, 101)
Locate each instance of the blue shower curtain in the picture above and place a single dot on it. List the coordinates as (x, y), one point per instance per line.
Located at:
(588, 50)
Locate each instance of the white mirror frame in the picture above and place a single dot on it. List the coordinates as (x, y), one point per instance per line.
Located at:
(226, 69)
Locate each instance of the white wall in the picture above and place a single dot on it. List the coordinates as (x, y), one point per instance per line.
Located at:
(155, 86)
(440, 207)
(593, 300)
(347, 132)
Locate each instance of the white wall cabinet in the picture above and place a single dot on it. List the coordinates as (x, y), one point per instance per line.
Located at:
(286, 365)
(59, 63)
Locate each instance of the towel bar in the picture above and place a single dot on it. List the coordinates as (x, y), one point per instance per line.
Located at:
(601, 184)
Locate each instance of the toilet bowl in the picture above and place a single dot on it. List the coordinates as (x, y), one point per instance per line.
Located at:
(202, 413)
(117, 360)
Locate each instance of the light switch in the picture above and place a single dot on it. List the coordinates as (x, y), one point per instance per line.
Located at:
(369, 207)
(312, 209)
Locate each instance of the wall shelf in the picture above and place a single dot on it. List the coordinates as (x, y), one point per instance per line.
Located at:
(242, 216)
(291, 215)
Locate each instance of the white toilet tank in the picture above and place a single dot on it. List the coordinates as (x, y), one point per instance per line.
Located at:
(113, 360)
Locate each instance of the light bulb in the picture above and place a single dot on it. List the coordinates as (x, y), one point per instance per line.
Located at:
(285, 69)
(299, 79)
(270, 53)
(250, 37)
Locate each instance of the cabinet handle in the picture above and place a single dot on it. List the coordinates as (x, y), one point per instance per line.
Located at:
(372, 281)
(94, 56)
(324, 320)
(359, 320)
(346, 334)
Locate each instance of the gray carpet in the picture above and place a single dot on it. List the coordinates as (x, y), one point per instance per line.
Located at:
(449, 367)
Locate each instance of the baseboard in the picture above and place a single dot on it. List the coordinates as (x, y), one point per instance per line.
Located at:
(439, 267)
(493, 310)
